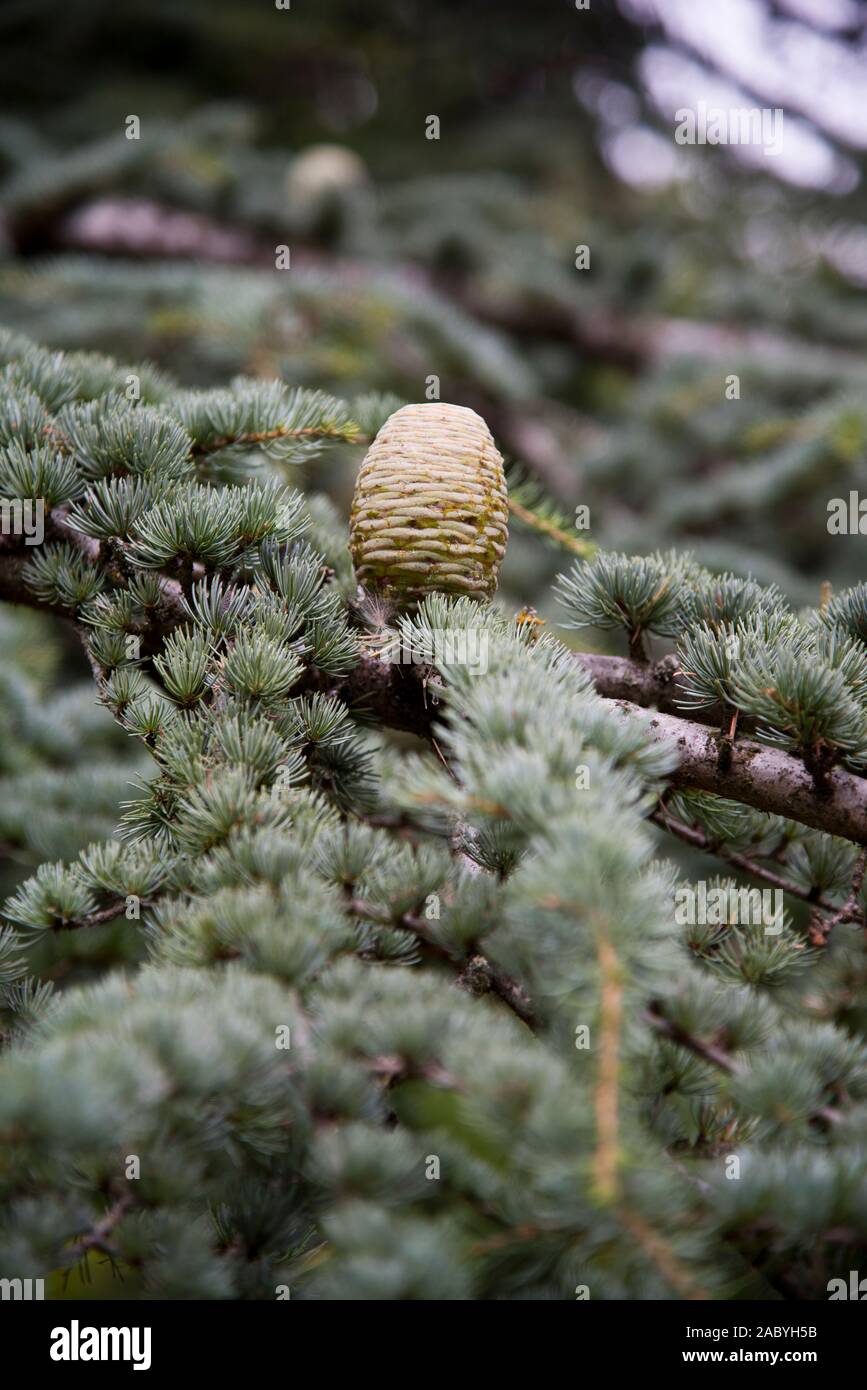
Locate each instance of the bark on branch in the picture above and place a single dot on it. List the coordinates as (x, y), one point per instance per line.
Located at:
(478, 974)
(717, 1056)
(404, 698)
(758, 776)
(648, 683)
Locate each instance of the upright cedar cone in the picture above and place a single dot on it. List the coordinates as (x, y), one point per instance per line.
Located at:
(430, 512)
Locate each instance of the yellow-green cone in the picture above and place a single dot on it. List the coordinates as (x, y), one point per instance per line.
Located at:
(430, 512)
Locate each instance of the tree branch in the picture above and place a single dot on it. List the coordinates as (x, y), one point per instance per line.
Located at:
(754, 774)
(697, 838)
(716, 1056)
(385, 693)
(479, 975)
(648, 683)
(99, 1237)
(100, 915)
(758, 776)
(708, 1051)
(851, 911)
(400, 697)
(212, 446)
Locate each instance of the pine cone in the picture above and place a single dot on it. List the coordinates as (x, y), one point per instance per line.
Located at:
(430, 513)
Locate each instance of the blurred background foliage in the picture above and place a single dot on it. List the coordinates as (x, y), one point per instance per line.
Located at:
(452, 258)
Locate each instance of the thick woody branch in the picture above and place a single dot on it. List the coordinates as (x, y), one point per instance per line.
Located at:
(648, 683)
(385, 693)
(758, 776)
(751, 773)
(403, 697)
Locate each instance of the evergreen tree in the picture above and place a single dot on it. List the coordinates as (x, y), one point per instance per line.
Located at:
(369, 931)
(409, 1004)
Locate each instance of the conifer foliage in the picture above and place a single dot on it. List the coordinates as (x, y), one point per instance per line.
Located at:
(428, 1023)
